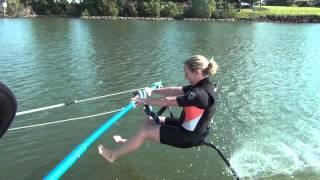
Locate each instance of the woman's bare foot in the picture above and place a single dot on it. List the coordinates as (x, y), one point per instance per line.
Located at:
(107, 154)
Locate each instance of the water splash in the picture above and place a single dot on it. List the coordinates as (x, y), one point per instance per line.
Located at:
(271, 157)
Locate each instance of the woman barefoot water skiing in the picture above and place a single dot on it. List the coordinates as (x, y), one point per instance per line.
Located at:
(198, 101)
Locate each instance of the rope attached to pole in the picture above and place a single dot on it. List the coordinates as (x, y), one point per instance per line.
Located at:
(71, 102)
(235, 175)
(62, 121)
(72, 157)
(155, 117)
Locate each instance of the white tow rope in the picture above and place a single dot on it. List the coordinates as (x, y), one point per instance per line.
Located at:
(66, 104)
(64, 120)
(72, 102)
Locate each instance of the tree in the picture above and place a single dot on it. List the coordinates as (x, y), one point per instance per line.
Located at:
(171, 9)
(42, 7)
(129, 8)
(90, 7)
(107, 7)
(75, 9)
(101, 7)
(149, 8)
(62, 7)
(203, 8)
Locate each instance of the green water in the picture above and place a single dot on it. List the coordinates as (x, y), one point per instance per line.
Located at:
(267, 123)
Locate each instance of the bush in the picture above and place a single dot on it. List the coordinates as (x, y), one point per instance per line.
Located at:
(90, 8)
(101, 7)
(85, 13)
(202, 8)
(107, 8)
(228, 13)
(129, 8)
(11, 9)
(224, 10)
(75, 10)
(42, 7)
(171, 9)
(61, 8)
(149, 8)
(249, 15)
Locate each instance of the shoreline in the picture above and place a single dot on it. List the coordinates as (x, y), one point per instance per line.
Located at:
(268, 18)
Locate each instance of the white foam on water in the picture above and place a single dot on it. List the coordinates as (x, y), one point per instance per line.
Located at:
(278, 155)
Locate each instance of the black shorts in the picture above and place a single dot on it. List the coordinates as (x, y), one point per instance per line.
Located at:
(177, 136)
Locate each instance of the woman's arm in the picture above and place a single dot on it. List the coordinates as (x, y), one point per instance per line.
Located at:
(162, 101)
(169, 91)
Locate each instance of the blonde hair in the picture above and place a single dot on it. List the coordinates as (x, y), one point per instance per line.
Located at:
(199, 62)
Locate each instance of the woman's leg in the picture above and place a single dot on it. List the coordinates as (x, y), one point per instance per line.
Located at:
(149, 130)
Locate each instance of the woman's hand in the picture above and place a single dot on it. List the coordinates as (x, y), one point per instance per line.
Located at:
(148, 90)
(139, 100)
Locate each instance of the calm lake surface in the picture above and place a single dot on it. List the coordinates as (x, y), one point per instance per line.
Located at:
(267, 123)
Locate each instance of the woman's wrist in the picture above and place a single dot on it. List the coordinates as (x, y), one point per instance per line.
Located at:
(149, 90)
(146, 101)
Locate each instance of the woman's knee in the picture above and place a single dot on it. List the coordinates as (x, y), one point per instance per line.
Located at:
(153, 133)
(150, 132)
(149, 122)
(143, 132)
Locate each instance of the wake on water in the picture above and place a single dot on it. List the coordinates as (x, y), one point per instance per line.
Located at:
(279, 156)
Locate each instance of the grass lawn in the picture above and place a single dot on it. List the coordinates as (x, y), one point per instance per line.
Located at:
(278, 11)
(291, 10)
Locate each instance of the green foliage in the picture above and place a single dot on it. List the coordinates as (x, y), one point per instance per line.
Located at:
(50, 7)
(101, 7)
(224, 10)
(75, 9)
(26, 2)
(12, 9)
(91, 8)
(107, 8)
(177, 1)
(245, 15)
(171, 9)
(61, 7)
(127, 8)
(43, 7)
(85, 13)
(149, 8)
(153, 8)
(202, 8)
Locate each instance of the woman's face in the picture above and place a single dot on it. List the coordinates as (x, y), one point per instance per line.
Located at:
(192, 77)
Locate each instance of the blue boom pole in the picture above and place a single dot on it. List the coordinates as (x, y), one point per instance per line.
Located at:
(72, 157)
